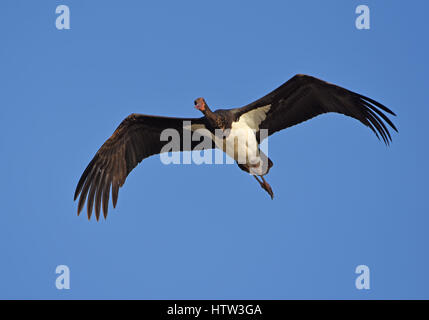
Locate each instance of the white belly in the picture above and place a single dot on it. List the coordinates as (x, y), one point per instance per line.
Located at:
(241, 145)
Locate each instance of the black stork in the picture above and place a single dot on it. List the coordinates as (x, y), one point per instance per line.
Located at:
(299, 99)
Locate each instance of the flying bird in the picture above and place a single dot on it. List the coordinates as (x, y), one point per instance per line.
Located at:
(297, 100)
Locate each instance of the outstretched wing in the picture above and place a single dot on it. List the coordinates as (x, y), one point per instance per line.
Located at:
(137, 137)
(304, 97)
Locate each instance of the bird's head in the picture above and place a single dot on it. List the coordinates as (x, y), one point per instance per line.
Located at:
(201, 104)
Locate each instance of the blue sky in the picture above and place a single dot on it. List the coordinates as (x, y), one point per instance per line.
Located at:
(342, 198)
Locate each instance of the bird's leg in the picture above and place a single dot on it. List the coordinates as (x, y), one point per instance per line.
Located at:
(267, 187)
(264, 184)
(259, 181)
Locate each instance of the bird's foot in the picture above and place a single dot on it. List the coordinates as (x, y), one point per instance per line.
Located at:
(264, 184)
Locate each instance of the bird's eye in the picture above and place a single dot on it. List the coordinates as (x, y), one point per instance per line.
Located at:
(195, 102)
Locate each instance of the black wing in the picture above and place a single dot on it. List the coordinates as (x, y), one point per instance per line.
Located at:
(137, 137)
(304, 97)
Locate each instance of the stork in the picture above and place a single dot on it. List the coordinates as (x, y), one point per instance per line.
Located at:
(297, 100)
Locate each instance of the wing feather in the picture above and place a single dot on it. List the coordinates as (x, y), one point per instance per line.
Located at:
(304, 97)
(136, 138)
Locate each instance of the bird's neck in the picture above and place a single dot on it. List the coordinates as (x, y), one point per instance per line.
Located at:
(215, 119)
(211, 116)
(208, 113)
